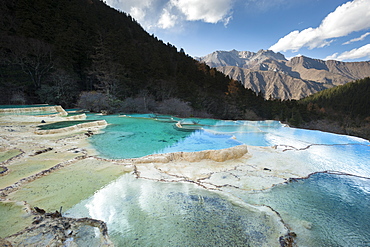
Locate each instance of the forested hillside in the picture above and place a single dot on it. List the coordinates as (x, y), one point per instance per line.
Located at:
(84, 52)
(344, 109)
(351, 99)
(51, 51)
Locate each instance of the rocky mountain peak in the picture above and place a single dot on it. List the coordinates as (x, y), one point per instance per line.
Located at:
(272, 74)
(308, 63)
(271, 54)
(243, 59)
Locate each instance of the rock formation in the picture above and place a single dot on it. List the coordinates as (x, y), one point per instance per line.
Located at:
(52, 229)
(276, 77)
(47, 109)
(80, 126)
(220, 155)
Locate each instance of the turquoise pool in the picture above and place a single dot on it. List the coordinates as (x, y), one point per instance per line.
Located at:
(132, 136)
(334, 209)
(327, 209)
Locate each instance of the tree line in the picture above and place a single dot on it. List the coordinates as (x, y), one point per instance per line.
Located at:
(85, 52)
(52, 51)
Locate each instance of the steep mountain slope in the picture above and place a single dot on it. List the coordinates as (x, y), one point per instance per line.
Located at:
(242, 59)
(272, 83)
(275, 77)
(54, 51)
(51, 51)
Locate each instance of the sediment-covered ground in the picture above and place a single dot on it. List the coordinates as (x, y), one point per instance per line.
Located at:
(55, 170)
(49, 171)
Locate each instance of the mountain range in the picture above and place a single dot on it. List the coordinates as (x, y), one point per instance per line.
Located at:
(83, 53)
(274, 76)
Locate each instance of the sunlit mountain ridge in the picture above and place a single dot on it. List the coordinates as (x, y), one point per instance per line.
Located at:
(276, 77)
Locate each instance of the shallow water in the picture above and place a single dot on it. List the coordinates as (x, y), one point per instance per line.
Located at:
(324, 210)
(135, 136)
(10, 221)
(333, 210)
(141, 212)
(139, 135)
(61, 124)
(132, 137)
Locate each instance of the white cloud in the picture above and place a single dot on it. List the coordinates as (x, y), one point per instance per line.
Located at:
(298, 55)
(357, 39)
(362, 52)
(138, 9)
(207, 11)
(137, 13)
(167, 20)
(172, 12)
(350, 17)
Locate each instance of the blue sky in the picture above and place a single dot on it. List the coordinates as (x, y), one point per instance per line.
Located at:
(324, 29)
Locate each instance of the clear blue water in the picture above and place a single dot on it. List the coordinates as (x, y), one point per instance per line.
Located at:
(142, 212)
(139, 135)
(335, 209)
(132, 137)
(324, 210)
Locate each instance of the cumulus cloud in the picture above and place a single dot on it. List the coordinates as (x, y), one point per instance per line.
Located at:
(362, 37)
(166, 14)
(136, 8)
(362, 52)
(350, 17)
(167, 20)
(207, 11)
(137, 13)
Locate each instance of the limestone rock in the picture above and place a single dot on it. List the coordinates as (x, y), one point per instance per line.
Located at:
(215, 155)
(52, 229)
(98, 123)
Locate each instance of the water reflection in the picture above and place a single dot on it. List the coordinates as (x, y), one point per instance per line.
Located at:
(129, 137)
(325, 210)
(139, 135)
(146, 213)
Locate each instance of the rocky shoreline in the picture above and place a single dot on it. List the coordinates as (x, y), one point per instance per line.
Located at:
(52, 229)
(60, 169)
(67, 156)
(26, 158)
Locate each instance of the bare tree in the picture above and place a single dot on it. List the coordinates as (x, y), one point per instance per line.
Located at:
(23, 62)
(175, 107)
(144, 102)
(61, 88)
(34, 57)
(93, 101)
